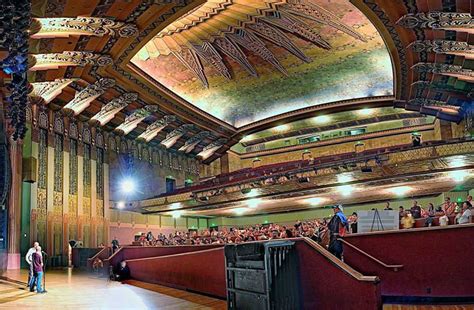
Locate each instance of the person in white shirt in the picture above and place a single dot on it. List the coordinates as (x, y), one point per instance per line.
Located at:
(29, 260)
(466, 214)
(443, 220)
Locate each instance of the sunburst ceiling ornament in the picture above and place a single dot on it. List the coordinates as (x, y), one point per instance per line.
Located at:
(243, 61)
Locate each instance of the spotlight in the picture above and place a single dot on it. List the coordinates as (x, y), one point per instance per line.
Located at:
(457, 162)
(128, 186)
(121, 205)
(252, 193)
(303, 180)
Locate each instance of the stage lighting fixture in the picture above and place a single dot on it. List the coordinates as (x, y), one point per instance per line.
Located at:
(366, 169)
(121, 205)
(303, 180)
(252, 193)
(127, 186)
(203, 198)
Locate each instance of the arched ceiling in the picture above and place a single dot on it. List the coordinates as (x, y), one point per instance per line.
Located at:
(84, 56)
(245, 61)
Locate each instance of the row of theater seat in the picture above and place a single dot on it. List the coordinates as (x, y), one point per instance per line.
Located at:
(246, 174)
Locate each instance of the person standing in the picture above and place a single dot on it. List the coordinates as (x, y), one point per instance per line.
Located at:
(29, 260)
(337, 228)
(37, 262)
(115, 245)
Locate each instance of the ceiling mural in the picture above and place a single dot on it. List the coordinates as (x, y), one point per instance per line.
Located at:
(244, 61)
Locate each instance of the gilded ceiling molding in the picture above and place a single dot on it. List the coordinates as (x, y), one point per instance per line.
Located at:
(277, 37)
(69, 58)
(192, 142)
(83, 98)
(253, 44)
(50, 90)
(131, 122)
(191, 61)
(445, 69)
(108, 111)
(173, 137)
(294, 25)
(63, 27)
(207, 52)
(227, 47)
(438, 20)
(211, 148)
(444, 47)
(153, 129)
(310, 10)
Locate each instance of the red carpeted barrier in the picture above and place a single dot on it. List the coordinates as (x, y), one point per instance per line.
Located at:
(134, 252)
(327, 283)
(201, 271)
(436, 261)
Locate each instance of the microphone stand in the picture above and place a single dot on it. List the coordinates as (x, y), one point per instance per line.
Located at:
(45, 263)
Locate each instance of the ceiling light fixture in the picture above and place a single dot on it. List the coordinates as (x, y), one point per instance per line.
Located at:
(458, 176)
(400, 190)
(253, 193)
(240, 211)
(121, 205)
(322, 119)
(345, 190)
(281, 128)
(175, 206)
(344, 178)
(176, 214)
(314, 201)
(253, 203)
(457, 162)
(365, 112)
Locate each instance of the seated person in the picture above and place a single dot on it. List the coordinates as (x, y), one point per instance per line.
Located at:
(407, 220)
(387, 206)
(401, 212)
(122, 272)
(415, 210)
(443, 219)
(97, 264)
(465, 218)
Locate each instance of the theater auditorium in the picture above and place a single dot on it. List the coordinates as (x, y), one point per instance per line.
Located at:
(236, 154)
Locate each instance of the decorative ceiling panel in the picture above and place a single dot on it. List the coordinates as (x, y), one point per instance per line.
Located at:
(244, 61)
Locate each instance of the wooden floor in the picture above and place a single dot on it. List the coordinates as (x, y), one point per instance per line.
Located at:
(70, 290)
(74, 290)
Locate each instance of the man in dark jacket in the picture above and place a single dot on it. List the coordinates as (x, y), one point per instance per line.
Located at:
(337, 228)
(122, 272)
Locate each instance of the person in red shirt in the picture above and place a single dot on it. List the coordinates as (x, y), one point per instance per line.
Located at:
(37, 261)
(448, 206)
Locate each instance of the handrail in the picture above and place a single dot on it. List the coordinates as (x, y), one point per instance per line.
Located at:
(341, 265)
(98, 253)
(394, 267)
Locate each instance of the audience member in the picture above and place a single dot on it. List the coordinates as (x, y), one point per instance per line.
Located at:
(387, 206)
(415, 210)
(430, 214)
(122, 272)
(401, 212)
(353, 222)
(466, 213)
(407, 220)
(443, 219)
(337, 228)
(115, 245)
(448, 207)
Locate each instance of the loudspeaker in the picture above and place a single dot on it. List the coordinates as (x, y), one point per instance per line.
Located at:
(29, 165)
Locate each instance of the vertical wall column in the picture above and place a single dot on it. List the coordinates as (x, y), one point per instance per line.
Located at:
(14, 205)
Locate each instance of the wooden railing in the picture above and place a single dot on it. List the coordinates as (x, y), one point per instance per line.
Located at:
(393, 267)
